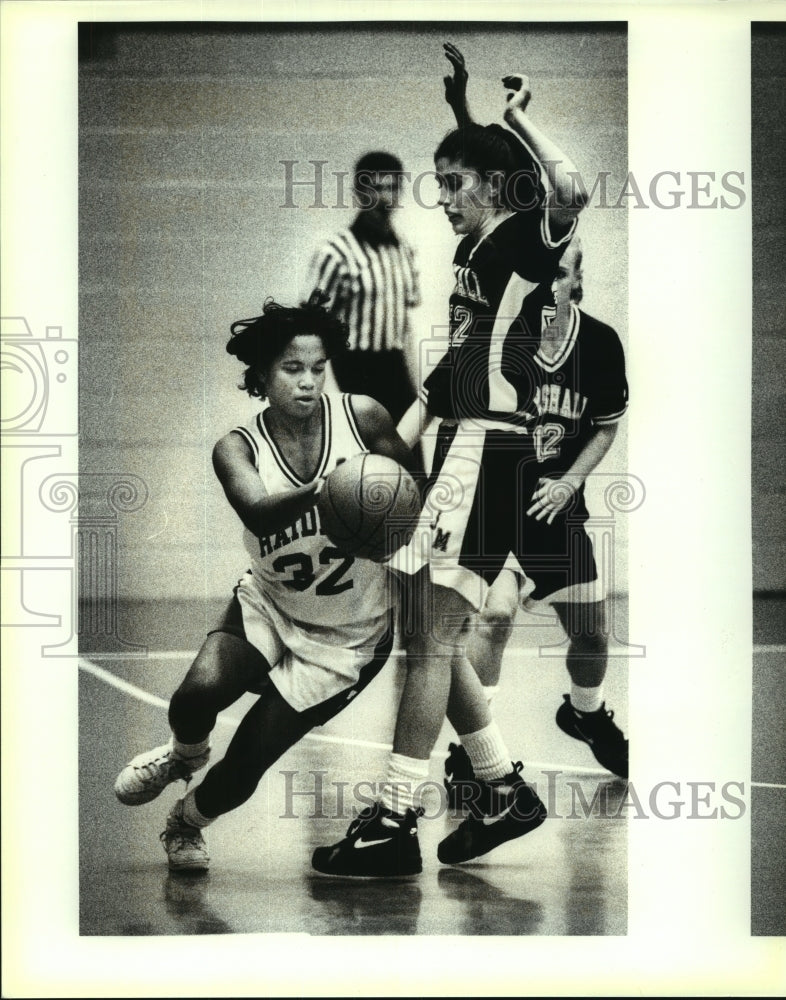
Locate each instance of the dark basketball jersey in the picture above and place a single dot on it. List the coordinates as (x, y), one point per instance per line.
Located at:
(493, 276)
(494, 467)
(560, 400)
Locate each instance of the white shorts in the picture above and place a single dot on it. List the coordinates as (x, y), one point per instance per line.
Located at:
(473, 519)
(310, 663)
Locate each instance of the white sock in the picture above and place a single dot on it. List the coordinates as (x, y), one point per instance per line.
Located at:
(191, 815)
(487, 752)
(190, 749)
(586, 699)
(401, 788)
(489, 690)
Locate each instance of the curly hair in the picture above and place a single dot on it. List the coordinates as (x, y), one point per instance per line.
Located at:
(492, 149)
(258, 341)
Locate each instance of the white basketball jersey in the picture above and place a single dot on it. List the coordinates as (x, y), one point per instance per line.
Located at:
(298, 568)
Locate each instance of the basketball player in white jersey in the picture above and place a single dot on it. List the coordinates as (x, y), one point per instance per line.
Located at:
(308, 626)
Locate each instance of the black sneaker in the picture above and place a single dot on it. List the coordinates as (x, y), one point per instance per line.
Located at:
(378, 844)
(460, 783)
(599, 731)
(501, 810)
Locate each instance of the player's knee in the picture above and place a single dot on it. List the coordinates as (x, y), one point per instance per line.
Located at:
(430, 653)
(195, 697)
(495, 621)
(588, 644)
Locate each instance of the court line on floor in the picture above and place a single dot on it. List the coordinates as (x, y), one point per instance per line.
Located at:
(120, 684)
(152, 699)
(189, 654)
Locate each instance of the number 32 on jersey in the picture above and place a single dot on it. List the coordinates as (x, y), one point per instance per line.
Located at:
(301, 569)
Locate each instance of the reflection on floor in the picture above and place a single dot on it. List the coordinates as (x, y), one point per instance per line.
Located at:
(569, 877)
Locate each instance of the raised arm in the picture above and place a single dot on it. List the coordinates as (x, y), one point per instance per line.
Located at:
(456, 85)
(261, 512)
(565, 202)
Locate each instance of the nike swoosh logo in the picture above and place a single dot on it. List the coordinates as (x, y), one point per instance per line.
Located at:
(587, 739)
(371, 843)
(491, 820)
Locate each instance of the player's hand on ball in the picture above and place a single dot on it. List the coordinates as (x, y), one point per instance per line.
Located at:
(520, 94)
(551, 497)
(455, 85)
(369, 506)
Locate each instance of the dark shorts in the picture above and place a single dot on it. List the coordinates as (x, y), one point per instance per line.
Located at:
(475, 516)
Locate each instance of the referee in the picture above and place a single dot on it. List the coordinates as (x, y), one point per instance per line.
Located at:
(368, 271)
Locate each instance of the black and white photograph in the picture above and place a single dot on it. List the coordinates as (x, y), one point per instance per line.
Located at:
(274, 190)
(768, 482)
(393, 504)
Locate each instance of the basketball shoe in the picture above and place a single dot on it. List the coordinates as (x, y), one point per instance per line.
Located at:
(460, 784)
(599, 731)
(148, 774)
(378, 844)
(500, 811)
(184, 844)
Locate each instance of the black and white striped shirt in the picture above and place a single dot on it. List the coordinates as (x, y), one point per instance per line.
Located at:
(372, 287)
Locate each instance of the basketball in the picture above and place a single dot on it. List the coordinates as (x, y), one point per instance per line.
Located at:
(369, 506)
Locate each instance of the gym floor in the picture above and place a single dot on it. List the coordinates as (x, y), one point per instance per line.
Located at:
(567, 877)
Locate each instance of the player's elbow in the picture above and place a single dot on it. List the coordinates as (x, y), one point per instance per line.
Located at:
(567, 202)
(220, 460)
(565, 210)
(609, 431)
(578, 200)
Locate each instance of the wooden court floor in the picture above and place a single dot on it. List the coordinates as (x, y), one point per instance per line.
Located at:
(569, 877)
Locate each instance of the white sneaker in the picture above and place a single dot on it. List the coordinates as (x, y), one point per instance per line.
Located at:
(185, 846)
(148, 774)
